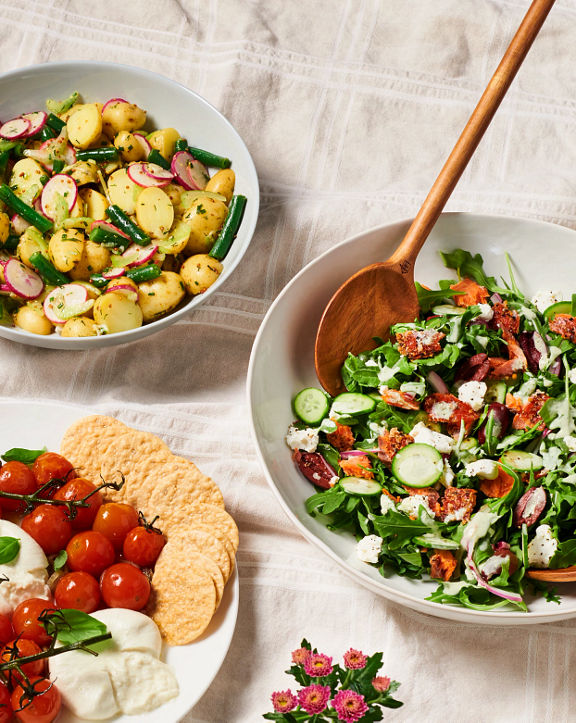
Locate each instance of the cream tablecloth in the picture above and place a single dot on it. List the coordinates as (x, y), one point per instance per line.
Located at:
(349, 108)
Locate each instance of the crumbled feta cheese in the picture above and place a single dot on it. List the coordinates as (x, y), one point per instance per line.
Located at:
(333, 481)
(368, 548)
(305, 439)
(483, 468)
(492, 566)
(456, 516)
(572, 376)
(570, 442)
(542, 547)
(486, 312)
(543, 299)
(441, 442)
(410, 505)
(443, 410)
(448, 475)
(371, 363)
(386, 504)
(473, 394)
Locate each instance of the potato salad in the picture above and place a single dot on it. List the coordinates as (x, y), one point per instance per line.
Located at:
(104, 224)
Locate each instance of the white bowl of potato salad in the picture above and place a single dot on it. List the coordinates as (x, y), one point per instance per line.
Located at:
(125, 201)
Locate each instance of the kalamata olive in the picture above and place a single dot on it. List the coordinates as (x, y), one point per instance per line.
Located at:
(528, 341)
(530, 506)
(476, 368)
(501, 417)
(314, 467)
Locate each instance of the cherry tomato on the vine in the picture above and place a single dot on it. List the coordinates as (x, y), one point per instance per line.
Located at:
(142, 546)
(6, 629)
(26, 623)
(76, 489)
(16, 478)
(78, 590)
(90, 551)
(43, 708)
(51, 465)
(124, 586)
(115, 520)
(22, 648)
(5, 704)
(49, 526)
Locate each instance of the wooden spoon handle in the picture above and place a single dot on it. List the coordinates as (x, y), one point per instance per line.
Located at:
(471, 135)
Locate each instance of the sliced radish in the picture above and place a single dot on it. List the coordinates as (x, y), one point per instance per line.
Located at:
(136, 255)
(137, 173)
(58, 185)
(113, 100)
(130, 291)
(114, 273)
(108, 227)
(15, 128)
(157, 172)
(189, 172)
(54, 149)
(5, 289)
(19, 224)
(69, 155)
(37, 121)
(65, 302)
(21, 280)
(142, 140)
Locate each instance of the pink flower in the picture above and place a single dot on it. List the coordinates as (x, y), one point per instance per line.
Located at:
(314, 698)
(318, 665)
(284, 701)
(381, 683)
(300, 656)
(354, 659)
(349, 706)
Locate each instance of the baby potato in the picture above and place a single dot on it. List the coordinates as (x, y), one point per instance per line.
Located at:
(173, 192)
(161, 295)
(122, 116)
(163, 141)
(154, 212)
(222, 182)
(94, 259)
(95, 204)
(123, 191)
(30, 317)
(205, 217)
(85, 126)
(124, 285)
(65, 248)
(78, 208)
(117, 312)
(84, 172)
(70, 112)
(80, 326)
(4, 227)
(199, 272)
(128, 147)
(27, 179)
(30, 242)
(178, 239)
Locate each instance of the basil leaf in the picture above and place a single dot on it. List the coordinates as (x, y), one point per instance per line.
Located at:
(9, 549)
(60, 560)
(19, 454)
(72, 626)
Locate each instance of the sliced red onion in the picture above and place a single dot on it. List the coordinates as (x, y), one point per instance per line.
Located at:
(556, 366)
(114, 273)
(437, 383)
(511, 596)
(496, 298)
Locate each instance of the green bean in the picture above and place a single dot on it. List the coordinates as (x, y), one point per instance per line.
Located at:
(4, 158)
(209, 159)
(11, 243)
(104, 236)
(229, 228)
(181, 145)
(101, 155)
(55, 123)
(57, 166)
(46, 133)
(47, 271)
(23, 209)
(143, 273)
(121, 220)
(99, 281)
(156, 157)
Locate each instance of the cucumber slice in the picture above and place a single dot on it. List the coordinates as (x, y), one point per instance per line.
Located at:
(522, 461)
(353, 403)
(418, 465)
(360, 486)
(311, 405)
(447, 310)
(496, 392)
(560, 307)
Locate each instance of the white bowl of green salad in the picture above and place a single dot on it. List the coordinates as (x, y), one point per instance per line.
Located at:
(447, 469)
(126, 200)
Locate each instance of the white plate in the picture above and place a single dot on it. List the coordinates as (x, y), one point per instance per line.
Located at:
(168, 104)
(36, 424)
(282, 362)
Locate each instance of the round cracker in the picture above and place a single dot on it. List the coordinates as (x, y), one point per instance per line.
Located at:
(207, 543)
(184, 598)
(84, 441)
(215, 517)
(182, 544)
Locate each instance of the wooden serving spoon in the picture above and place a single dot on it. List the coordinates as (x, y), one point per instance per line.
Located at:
(383, 294)
(562, 574)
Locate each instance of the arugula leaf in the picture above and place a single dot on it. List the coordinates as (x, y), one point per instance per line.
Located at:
(9, 549)
(427, 298)
(72, 626)
(398, 528)
(468, 266)
(19, 454)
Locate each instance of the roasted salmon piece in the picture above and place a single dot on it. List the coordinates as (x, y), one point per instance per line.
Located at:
(390, 442)
(442, 565)
(396, 398)
(565, 325)
(419, 343)
(473, 293)
(357, 466)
